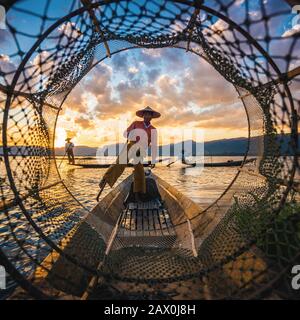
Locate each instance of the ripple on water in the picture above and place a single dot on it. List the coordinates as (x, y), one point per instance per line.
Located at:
(203, 189)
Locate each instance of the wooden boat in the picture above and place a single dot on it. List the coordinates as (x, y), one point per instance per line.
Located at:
(161, 222)
(148, 240)
(117, 229)
(145, 223)
(107, 165)
(229, 163)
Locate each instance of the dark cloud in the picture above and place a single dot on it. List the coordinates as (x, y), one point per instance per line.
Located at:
(85, 123)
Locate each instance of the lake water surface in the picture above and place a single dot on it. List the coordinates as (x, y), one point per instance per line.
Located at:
(203, 187)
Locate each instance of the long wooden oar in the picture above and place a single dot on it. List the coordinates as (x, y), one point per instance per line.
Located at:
(63, 158)
(102, 187)
(169, 164)
(99, 193)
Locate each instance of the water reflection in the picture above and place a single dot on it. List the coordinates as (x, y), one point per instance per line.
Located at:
(203, 185)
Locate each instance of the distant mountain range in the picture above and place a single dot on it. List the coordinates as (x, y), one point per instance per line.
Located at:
(224, 147)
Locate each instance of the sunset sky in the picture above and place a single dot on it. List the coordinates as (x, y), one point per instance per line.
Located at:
(184, 88)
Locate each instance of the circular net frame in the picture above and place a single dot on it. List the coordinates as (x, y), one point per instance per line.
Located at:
(246, 241)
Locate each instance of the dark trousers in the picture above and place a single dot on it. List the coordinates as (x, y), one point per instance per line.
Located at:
(71, 158)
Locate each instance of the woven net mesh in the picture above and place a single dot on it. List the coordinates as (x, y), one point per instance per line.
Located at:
(246, 241)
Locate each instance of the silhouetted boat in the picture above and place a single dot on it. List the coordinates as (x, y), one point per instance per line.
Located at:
(107, 165)
(229, 163)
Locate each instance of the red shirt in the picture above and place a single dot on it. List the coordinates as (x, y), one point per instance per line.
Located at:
(143, 126)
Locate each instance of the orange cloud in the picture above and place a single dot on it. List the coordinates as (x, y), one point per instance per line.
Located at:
(190, 94)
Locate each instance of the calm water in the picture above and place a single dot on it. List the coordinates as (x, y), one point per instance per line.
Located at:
(83, 183)
(203, 188)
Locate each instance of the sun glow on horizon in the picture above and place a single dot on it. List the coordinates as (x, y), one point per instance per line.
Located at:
(60, 137)
(169, 81)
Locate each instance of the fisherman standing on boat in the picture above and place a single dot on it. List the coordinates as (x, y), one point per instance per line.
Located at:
(135, 147)
(69, 148)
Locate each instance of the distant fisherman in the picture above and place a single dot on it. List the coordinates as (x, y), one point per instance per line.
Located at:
(140, 134)
(69, 148)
